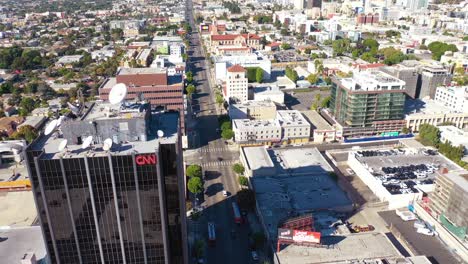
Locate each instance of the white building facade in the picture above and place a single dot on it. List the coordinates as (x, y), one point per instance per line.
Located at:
(454, 98)
(236, 87)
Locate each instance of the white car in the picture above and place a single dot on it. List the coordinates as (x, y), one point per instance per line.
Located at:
(350, 171)
(225, 193)
(425, 231)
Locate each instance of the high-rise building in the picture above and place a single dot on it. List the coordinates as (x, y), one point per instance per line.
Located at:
(154, 85)
(122, 205)
(448, 202)
(236, 87)
(408, 74)
(369, 97)
(431, 78)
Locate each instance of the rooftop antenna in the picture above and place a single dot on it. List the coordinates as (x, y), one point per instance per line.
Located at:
(51, 127)
(87, 142)
(107, 144)
(63, 145)
(160, 133)
(118, 93)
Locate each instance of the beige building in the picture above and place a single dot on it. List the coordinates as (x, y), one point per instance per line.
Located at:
(322, 131)
(256, 132)
(236, 87)
(295, 128)
(232, 40)
(253, 110)
(435, 114)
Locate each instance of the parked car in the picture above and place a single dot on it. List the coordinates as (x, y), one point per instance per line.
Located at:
(225, 193)
(425, 231)
(419, 224)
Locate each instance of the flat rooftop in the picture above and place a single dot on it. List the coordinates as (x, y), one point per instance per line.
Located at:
(316, 120)
(18, 210)
(19, 241)
(342, 249)
(108, 111)
(291, 118)
(372, 81)
(423, 107)
(245, 123)
(127, 71)
(167, 122)
(301, 184)
(257, 157)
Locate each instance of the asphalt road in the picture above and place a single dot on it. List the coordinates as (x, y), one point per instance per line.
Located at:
(216, 159)
(422, 244)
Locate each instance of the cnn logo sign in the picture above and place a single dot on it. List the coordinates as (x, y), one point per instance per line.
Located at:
(149, 159)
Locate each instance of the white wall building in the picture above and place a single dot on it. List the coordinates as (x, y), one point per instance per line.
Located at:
(176, 49)
(295, 128)
(270, 93)
(256, 131)
(454, 98)
(222, 63)
(236, 87)
(456, 136)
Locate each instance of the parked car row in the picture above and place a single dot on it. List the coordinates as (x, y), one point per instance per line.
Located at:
(376, 153)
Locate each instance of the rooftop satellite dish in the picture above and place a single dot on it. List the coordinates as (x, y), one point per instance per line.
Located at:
(63, 145)
(75, 110)
(107, 144)
(118, 93)
(160, 133)
(87, 142)
(51, 127)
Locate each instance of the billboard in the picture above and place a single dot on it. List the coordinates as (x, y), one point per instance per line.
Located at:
(298, 235)
(306, 236)
(286, 234)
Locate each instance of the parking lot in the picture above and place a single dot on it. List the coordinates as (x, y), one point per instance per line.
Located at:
(289, 56)
(422, 244)
(303, 100)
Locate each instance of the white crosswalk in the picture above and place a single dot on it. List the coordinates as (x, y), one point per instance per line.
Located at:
(218, 163)
(209, 149)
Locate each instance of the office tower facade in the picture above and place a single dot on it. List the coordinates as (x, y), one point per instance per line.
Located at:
(123, 205)
(408, 74)
(367, 98)
(431, 78)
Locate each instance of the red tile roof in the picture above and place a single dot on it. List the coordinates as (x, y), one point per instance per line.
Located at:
(233, 36)
(236, 68)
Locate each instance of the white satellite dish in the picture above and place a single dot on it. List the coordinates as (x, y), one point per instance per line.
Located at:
(118, 93)
(87, 142)
(62, 145)
(160, 133)
(107, 144)
(51, 127)
(74, 109)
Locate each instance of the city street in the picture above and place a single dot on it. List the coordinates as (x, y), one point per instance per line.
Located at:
(216, 159)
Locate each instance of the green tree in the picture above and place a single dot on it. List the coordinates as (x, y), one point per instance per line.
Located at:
(195, 185)
(251, 74)
(392, 33)
(405, 130)
(219, 99)
(439, 48)
(26, 132)
(226, 125)
(429, 135)
(369, 57)
(340, 46)
(312, 78)
(259, 75)
(238, 168)
(189, 76)
(227, 134)
(194, 170)
(325, 102)
(190, 90)
(246, 199)
(27, 104)
(243, 181)
(285, 46)
(292, 74)
(371, 45)
(117, 34)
